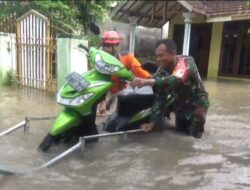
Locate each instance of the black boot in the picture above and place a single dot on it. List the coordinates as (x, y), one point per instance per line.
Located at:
(196, 128)
(181, 124)
(89, 127)
(92, 130)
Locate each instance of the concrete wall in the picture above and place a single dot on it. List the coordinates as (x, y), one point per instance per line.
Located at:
(69, 57)
(124, 30)
(145, 41)
(8, 60)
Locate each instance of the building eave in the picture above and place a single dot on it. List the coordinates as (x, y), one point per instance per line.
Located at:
(228, 18)
(219, 19)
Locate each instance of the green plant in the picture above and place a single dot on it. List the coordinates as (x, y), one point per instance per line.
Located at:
(68, 17)
(94, 40)
(12, 78)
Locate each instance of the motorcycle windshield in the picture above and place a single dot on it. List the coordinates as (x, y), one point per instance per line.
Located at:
(108, 64)
(106, 57)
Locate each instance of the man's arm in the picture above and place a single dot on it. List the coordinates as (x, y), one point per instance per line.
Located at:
(135, 67)
(170, 82)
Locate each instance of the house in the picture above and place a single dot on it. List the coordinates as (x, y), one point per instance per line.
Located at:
(215, 33)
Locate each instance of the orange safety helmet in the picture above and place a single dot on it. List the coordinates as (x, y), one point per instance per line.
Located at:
(111, 37)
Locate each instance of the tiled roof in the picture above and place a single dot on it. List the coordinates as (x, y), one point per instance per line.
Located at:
(221, 7)
(155, 13)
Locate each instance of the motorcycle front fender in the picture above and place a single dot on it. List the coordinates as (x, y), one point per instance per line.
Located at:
(65, 121)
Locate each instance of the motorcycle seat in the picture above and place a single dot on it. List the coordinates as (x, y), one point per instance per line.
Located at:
(133, 101)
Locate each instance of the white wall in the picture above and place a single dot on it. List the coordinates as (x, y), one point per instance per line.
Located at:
(8, 56)
(79, 61)
(69, 57)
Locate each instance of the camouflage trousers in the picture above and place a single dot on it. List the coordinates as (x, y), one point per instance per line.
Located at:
(193, 124)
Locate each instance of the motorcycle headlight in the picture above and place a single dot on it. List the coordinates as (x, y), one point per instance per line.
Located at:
(76, 101)
(104, 68)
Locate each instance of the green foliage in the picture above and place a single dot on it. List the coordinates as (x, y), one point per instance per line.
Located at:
(94, 40)
(12, 78)
(69, 16)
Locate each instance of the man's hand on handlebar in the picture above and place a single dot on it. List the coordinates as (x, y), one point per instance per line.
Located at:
(139, 82)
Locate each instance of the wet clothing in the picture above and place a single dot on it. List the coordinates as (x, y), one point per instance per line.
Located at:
(130, 63)
(190, 102)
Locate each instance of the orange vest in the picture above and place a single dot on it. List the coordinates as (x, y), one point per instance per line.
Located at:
(130, 63)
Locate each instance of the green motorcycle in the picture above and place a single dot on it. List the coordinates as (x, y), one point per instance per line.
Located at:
(80, 96)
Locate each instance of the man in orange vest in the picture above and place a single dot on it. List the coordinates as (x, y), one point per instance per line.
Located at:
(110, 42)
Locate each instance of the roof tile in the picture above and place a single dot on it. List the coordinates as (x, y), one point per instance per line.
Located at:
(220, 7)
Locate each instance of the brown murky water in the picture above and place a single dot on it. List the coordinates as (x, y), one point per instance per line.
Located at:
(168, 160)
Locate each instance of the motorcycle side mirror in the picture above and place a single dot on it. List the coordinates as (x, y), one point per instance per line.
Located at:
(94, 28)
(81, 46)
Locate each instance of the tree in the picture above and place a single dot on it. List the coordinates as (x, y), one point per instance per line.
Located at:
(69, 16)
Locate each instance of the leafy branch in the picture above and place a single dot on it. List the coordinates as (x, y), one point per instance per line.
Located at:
(69, 16)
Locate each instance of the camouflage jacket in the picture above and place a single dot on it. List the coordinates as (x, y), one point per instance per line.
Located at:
(187, 94)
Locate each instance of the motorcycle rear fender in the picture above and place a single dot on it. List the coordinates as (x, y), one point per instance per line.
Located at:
(141, 115)
(65, 120)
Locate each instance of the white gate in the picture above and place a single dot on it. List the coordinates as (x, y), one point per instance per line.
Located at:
(35, 50)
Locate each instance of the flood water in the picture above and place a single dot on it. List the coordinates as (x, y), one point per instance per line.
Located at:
(159, 160)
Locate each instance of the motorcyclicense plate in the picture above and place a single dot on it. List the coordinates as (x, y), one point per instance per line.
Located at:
(76, 81)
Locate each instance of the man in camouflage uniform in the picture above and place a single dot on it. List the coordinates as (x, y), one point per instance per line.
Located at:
(177, 76)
